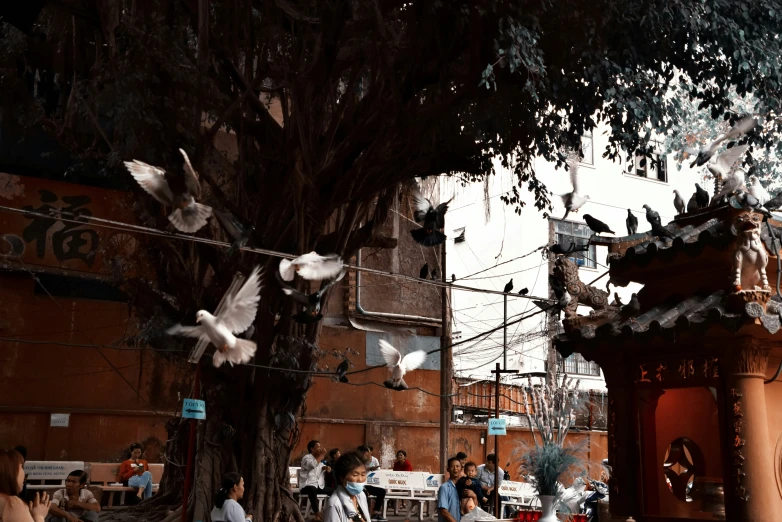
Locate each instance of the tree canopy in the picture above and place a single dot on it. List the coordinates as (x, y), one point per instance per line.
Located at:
(370, 95)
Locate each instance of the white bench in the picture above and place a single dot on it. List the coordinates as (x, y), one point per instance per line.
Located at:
(408, 486)
(521, 494)
(49, 475)
(105, 475)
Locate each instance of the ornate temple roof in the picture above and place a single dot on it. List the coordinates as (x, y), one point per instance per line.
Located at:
(689, 288)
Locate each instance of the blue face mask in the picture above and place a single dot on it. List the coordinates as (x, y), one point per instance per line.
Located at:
(354, 488)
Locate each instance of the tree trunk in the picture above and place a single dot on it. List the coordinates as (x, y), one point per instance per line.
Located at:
(247, 429)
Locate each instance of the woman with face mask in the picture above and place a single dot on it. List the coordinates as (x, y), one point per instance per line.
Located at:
(348, 503)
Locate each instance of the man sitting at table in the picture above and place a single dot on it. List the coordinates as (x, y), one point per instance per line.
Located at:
(74, 503)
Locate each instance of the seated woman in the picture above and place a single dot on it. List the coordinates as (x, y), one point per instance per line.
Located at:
(12, 508)
(348, 503)
(227, 508)
(401, 463)
(134, 472)
(331, 462)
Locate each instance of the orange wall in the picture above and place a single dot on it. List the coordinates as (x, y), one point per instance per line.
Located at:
(38, 379)
(421, 442)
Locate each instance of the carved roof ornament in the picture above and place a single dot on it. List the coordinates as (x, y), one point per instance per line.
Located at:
(734, 244)
(748, 278)
(581, 293)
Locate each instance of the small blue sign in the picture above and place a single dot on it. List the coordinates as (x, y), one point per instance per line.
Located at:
(194, 409)
(497, 427)
(373, 479)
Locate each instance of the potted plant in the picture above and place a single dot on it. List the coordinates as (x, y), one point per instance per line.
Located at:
(549, 411)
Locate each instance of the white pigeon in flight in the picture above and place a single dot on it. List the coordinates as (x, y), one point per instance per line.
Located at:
(757, 190)
(743, 126)
(237, 316)
(720, 166)
(188, 215)
(400, 365)
(312, 266)
(573, 200)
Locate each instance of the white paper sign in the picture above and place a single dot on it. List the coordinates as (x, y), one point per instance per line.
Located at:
(60, 420)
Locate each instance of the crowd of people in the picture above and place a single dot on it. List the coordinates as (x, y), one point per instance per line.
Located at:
(319, 475)
(72, 503)
(343, 478)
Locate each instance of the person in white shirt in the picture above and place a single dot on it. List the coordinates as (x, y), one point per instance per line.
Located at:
(312, 476)
(74, 503)
(486, 476)
(374, 464)
(378, 493)
(227, 508)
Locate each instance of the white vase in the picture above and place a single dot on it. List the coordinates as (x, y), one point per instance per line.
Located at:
(549, 510)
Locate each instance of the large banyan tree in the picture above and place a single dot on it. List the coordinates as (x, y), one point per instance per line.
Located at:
(304, 119)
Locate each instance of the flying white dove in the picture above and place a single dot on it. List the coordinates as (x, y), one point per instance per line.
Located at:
(400, 365)
(188, 215)
(721, 165)
(312, 266)
(732, 183)
(757, 190)
(742, 127)
(573, 200)
(237, 316)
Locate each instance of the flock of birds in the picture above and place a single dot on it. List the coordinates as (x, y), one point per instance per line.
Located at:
(188, 215)
(729, 183)
(240, 310)
(224, 330)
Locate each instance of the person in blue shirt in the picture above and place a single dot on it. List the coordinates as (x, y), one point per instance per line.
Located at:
(448, 505)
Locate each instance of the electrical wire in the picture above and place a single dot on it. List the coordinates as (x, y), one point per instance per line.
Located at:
(127, 227)
(89, 340)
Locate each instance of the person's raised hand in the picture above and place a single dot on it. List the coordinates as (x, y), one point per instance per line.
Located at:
(39, 507)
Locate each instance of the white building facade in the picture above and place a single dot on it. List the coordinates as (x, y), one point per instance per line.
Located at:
(489, 253)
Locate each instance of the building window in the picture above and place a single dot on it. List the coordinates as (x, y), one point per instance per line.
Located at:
(568, 232)
(575, 364)
(459, 235)
(652, 167)
(587, 149)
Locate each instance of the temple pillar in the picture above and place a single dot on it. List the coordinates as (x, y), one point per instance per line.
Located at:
(623, 451)
(751, 492)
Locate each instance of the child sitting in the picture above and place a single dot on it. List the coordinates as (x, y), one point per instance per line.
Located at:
(469, 488)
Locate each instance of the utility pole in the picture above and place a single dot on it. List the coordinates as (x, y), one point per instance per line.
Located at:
(446, 366)
(497, 371)
(505, 332)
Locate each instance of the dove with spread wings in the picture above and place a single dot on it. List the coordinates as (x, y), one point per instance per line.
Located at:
(312, 267)
(237, 316)
(399, 365)
(311, 303)
(433, 219)
(189, 215)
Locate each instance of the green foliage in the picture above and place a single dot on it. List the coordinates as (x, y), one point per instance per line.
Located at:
(693, 127)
